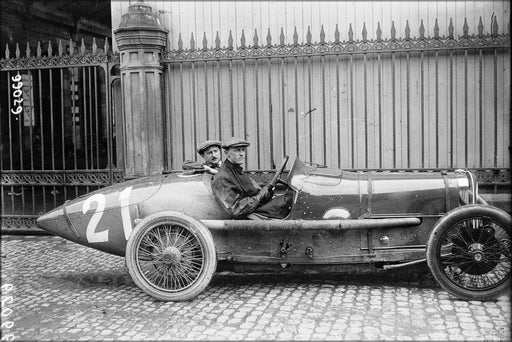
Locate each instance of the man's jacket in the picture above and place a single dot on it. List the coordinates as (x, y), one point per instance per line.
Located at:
(235, 191)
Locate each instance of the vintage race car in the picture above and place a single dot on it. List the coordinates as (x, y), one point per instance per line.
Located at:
(175, 236)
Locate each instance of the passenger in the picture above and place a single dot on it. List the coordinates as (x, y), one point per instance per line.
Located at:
(210, 152)
(239, 194)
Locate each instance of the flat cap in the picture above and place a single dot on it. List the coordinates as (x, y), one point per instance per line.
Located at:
(208, 143)
(235, 142)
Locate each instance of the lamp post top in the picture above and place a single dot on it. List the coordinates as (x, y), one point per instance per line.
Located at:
(140, 16)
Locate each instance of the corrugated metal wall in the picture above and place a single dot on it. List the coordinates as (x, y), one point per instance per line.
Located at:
(410, 109)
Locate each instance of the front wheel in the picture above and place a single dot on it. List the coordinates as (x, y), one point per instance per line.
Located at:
(469, 251)
(171, 256)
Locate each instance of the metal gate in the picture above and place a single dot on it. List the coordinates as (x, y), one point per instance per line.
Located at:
(58, 132)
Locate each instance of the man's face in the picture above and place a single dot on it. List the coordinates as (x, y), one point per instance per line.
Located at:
(211, 155)
(236, 155)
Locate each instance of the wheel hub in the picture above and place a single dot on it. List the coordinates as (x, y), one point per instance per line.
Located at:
(476, 251)
(475, 244)
(478, 257)
(171, 256)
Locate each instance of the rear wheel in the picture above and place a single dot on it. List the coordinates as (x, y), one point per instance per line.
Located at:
(469, 252)
(171, 256)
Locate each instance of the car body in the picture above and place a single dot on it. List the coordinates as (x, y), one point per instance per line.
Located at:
(174, 235)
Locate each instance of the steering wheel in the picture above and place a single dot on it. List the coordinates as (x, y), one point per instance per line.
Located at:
(280, 181)
(278, 173)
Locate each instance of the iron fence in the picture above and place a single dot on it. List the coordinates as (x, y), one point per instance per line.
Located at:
(57, 128)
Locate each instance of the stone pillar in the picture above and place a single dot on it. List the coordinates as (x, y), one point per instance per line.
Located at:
(140, 39)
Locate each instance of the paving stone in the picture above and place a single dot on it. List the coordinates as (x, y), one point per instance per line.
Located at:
(67, 291)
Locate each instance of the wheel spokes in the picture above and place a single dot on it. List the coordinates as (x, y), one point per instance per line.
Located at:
(170, 257)
(475, 254)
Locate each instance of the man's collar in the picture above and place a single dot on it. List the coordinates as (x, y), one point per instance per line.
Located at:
(216, 165)
(236, 167)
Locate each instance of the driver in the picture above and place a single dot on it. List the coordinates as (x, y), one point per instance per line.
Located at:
(240, 195)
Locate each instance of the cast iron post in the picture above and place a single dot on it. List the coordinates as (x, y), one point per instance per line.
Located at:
(140, 39)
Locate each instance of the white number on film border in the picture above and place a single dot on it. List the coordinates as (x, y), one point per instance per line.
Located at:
(6, 312)
(8, 337)
(92, 235)
(8, 299)
(17, 111)
(17, 87)
(17, 94)
(7, 287)
(8, 324)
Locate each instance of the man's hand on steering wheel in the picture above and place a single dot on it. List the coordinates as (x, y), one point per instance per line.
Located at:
(279, 172)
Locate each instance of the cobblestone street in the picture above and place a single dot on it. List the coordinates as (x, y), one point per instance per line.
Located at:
(57, 290)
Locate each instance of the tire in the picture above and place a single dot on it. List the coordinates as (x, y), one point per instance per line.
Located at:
(171, 256)
(468, 252)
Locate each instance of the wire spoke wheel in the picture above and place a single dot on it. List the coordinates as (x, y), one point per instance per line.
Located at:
(171, 256)
(171, 259)
(469, 252)
(480, 254)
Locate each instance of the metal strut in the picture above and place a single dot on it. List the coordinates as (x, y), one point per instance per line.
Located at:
(292, 225)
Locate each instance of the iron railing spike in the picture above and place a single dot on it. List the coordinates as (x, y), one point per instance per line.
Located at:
(205, 42)
(295, 37)
(379, 31)
(27, 51)
(480, 28)
(38, 51)
(17, 51)
(322, 35)
(337, 34)
(180, 42)
(436, 29)
(269, 38)
(364, 33)
(495, 27)
(255, 38)
(60, 48)
(50, 49)
(242, 39)
(82, 47)
(308, 36)
(94, 47)
(281, 37)
(217, 41)
(230, 40)
(450, 29)
(393, 30)
(192, 42)
(465, 28)
(71, 48)
(422, 30)
(407, 30)
(107, 46)
(350, 33)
